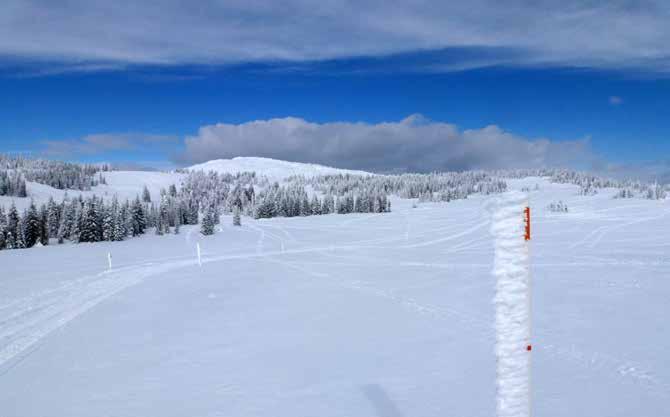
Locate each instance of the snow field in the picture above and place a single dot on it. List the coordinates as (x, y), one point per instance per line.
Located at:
(363, 314)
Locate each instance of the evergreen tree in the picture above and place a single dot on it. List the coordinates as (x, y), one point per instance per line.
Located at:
(208, 222)
(20, 234)
(237, 220)
(53, 217)
(305, 207)
(164, 215)
(107, 214)
(121, 221)
(146, 196)
(78, 221)
(139, 222)
(12, 232)
(91, 225)
(44, 229)
(22, 189)
(68, 219)
(31, 226)
(315, 205)
(3, 229)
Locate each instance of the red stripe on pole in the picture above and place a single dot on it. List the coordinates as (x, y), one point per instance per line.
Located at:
(529, 348)
(527, 220)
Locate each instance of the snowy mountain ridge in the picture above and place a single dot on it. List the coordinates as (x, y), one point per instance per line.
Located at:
(274, 169)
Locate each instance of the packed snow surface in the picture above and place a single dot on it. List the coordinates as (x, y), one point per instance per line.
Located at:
(512, 302)
(342, 315)
(272, 168)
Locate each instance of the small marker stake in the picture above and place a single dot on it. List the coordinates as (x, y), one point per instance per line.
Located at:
(109, 260)
(198, 249)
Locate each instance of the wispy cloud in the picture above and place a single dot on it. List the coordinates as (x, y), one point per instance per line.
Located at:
(88, 34)
(105, 143)
(615, 100)
(412, 144)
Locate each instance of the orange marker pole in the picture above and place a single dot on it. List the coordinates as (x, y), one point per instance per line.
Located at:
(527, 213)
(529, 347)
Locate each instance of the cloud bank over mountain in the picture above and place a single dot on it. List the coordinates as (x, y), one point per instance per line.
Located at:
(412, 144)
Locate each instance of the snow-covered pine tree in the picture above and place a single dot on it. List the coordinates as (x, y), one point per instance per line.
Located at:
(146, 195)
(139, 222)
(305, 208)
(315, 205)
(44, 226)
(164, 216)
(159, 227)
(53, 217)
(121, 222)
(31, 226)
(20, 235)
(208, 221)
(107, 215)
(91, 225)
(3, 229)
(13, 224)
(22, 192)
(77, 224)
(237, 220)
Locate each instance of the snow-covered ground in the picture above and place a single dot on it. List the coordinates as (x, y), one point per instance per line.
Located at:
(357, 315)
(274, 169)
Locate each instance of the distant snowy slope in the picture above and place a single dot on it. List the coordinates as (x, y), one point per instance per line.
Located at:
(271, 168)
(128, 184)
(123, 184)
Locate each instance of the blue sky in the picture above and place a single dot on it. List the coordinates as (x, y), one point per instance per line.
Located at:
(115, 100)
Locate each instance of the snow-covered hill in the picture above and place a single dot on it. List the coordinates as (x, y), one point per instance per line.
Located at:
(128, 184)
(274, 169)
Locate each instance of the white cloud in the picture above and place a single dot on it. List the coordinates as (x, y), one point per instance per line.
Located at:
(606, 34)
(412, 144)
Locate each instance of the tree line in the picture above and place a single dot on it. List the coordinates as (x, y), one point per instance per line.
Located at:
(12, 184)
(590, 184)
(56, 174)
(444, 186)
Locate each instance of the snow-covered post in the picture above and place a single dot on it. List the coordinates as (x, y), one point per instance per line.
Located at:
(197, 246)
(109, 260)
(513, 305)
